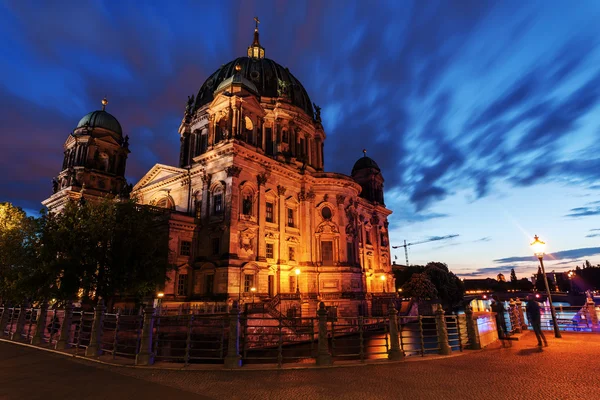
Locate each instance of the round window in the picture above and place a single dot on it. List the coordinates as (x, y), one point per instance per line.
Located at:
(326, 213)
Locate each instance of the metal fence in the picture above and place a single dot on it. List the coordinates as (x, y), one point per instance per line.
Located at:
(254, 337)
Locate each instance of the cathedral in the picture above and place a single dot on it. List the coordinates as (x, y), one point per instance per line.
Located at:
(254, 216)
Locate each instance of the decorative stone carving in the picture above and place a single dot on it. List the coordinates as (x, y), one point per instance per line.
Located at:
(327, 227)
(282, 88)
(340, 199)
(247, 240)
(302, 195)
(206, 178)
(281, 190)
(310, 196)
(292, 239)
(375, 219)
(325, 197)
(233, 170)
(261, 179)
(272, 235)
(351, 231)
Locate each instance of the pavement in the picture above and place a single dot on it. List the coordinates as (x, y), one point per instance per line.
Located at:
(567, 369)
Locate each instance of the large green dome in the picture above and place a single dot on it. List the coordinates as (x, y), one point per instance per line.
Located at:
(101, 119)
(265, 74)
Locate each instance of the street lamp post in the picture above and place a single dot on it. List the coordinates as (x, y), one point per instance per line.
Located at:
(298, 280)
(538, 249)
(383, 282)
(253, 290)
(571, 280)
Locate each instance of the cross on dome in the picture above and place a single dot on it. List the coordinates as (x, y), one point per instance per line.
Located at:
(256, 50)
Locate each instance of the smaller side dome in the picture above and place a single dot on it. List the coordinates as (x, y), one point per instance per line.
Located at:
(101, 119)
(368, 175)
(364, 163)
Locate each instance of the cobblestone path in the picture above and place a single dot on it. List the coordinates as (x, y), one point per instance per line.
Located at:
(568, 369)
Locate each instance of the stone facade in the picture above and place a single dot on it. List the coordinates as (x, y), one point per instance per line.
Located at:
(252, 207)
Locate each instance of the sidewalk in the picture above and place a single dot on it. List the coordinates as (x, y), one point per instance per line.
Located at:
(564, 370)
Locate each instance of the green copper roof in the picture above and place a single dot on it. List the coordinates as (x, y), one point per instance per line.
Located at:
(101, 119)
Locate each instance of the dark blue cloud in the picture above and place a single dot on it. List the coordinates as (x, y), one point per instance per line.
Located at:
(396, 79)
(559, 255)
(590, 209)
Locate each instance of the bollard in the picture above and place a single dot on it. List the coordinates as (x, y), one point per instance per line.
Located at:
(40, 323)
(323, 354)
(395, 353)
(591, 308)
(516, 326)
(4, 319)
(95, 347)
(65, 329)
(472, 330)
(442, 331)
(233, 358)
(145, 356)
(16, 335)
(519, 306)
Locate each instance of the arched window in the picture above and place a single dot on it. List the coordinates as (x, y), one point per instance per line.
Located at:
(165, 202)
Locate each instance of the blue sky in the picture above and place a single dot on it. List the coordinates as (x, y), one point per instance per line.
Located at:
(482, 115)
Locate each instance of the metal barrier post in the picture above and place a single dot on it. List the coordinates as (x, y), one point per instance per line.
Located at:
(591, 308)
(20, 323)
(145, 356)
(519, 306)
(94, 349)
(4, 319)
(395, 352)
(472, 332)
(39, 324)
(516, 327)
(442, 331)
(65, 329)
(323, 355)
(233, 358)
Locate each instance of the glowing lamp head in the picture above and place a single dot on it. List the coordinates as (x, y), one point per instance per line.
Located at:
(538, 247)
(537, 295)
(383, 277)
(160, 295)
(399, 290)
(253, 289)
(297, 271)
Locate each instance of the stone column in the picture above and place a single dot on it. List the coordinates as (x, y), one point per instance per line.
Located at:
(233, 358)
(472, 330)
(16, 335)
(40, 324)
(519, 307)
(65, 328)
(323, 354)
(342, 224)
(282, 220)
(261, 254)
(442, 331)
(146, 356)
(95, 347)
(395, 353)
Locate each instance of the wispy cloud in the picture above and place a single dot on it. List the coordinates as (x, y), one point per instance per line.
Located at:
(483, 239)
(559, 255)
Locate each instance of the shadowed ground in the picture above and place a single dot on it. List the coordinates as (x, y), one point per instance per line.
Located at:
(567, 369)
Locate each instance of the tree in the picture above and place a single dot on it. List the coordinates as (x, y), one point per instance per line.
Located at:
(17, 254)
(419, 287)
(449, 287)
(98, 249)
(513, 276)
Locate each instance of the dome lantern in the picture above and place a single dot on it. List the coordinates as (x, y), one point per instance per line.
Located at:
(256, 50)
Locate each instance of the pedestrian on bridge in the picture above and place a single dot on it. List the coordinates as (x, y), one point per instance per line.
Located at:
(535, 318)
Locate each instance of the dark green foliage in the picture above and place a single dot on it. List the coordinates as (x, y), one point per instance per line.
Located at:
(419, 287)
(513, 276)
(90, 250)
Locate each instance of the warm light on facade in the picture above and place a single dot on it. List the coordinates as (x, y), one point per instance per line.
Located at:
(253, 289)
(297, 271)
(160, 295)
(383, 277)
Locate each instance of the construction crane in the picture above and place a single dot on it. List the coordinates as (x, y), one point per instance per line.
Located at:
(431, 239)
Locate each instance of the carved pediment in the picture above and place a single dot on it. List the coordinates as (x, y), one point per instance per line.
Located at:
(327, 227)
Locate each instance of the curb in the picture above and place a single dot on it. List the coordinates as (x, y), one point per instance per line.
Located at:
(245, 368)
